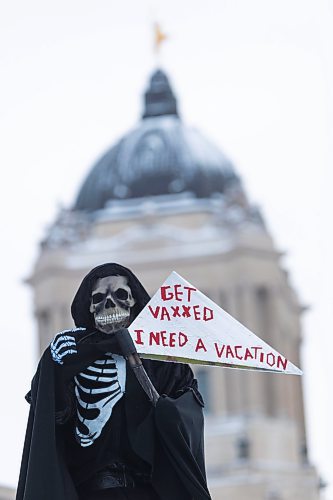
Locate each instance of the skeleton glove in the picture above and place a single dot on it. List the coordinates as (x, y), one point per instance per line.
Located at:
(64, 344)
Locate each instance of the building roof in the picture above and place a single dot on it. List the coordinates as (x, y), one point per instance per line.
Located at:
(160, 156)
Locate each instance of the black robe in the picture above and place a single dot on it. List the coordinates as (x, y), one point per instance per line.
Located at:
(168, 438)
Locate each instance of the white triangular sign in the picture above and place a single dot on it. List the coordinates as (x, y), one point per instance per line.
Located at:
(181, 324)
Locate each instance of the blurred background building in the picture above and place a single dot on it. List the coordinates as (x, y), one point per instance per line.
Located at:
(6, 493)
(162, 199)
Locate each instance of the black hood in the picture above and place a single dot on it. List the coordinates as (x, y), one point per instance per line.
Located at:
(82, 300)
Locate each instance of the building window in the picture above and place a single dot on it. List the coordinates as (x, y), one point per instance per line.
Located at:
(243, 448)
(273, 495)
(44, 321)
(223, 301)
(202, 375)
(262, 295)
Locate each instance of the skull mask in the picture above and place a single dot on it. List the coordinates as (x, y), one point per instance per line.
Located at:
(111, 303)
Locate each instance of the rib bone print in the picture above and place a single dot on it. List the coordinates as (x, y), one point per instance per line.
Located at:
(98, 388)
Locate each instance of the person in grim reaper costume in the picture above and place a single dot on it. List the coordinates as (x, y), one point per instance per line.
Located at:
(92, 431)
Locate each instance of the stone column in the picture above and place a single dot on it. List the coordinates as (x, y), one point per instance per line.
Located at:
(254, 393)
(218, 375)
(235, 379)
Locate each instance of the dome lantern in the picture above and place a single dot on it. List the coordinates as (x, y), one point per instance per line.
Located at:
(160, 156)
(159, 98)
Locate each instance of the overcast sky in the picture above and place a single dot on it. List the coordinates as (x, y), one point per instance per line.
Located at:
(256, 77)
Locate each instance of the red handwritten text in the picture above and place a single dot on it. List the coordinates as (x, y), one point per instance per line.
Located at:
(250, 353)
(177, 292)
(196, 312)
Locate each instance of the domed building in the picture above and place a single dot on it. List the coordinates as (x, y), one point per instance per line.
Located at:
(162, 199)
(160, 156)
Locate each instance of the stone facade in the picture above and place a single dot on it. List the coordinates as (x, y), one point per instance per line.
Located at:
(7, 493)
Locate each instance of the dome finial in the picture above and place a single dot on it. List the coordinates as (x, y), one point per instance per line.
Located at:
(159, 98)
(159, 37)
